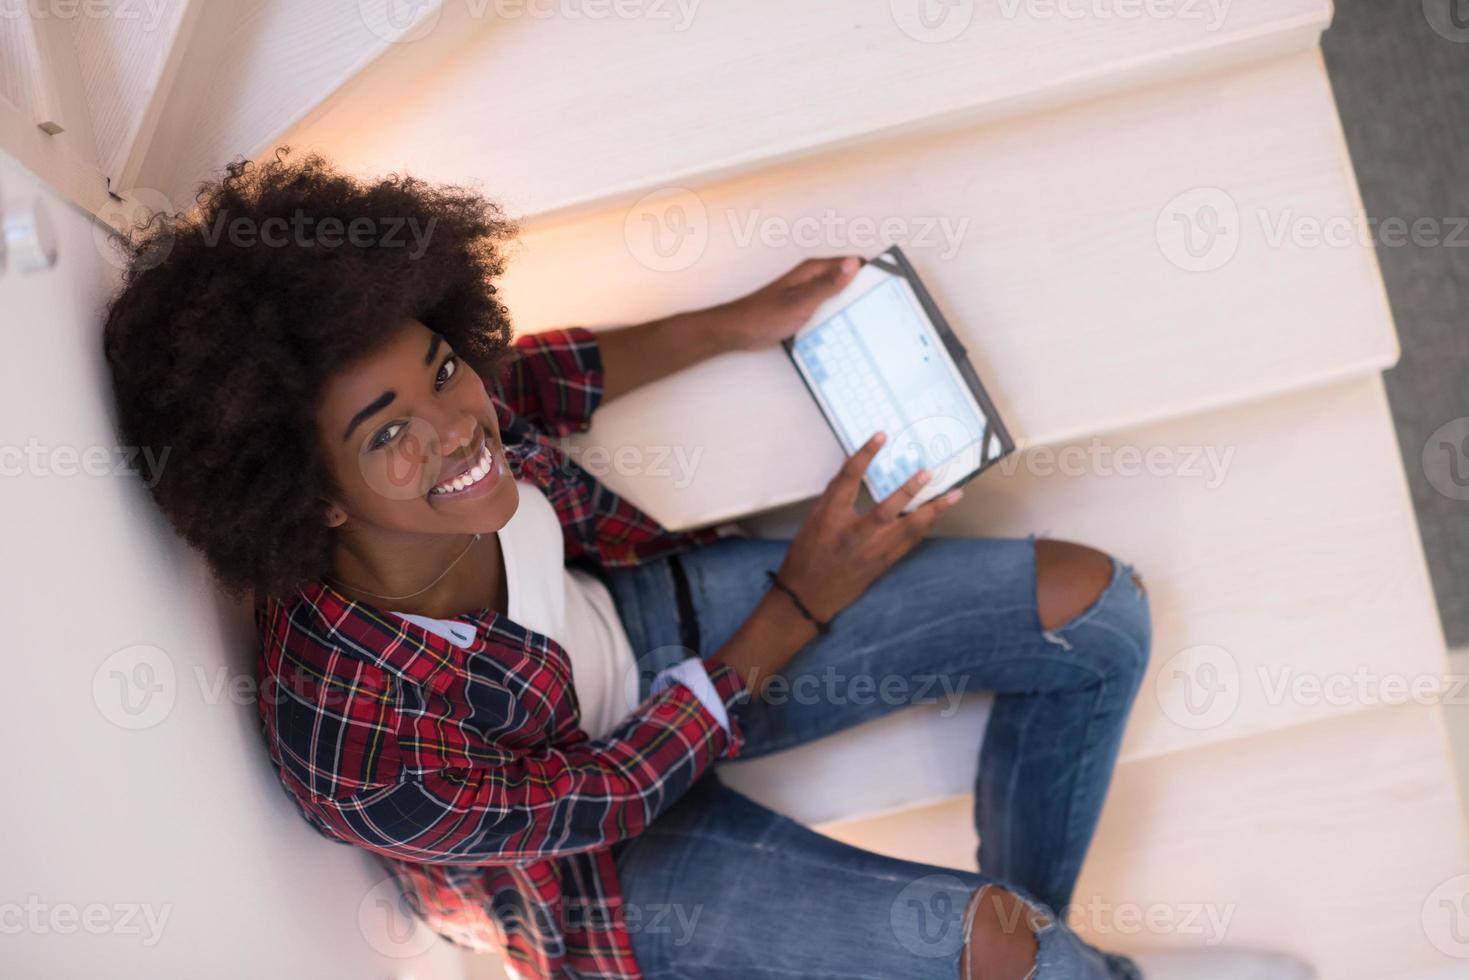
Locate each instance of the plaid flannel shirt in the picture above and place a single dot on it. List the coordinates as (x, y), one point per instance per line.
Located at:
(465, 770)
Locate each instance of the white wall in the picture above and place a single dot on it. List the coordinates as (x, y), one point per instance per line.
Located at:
(170, 811)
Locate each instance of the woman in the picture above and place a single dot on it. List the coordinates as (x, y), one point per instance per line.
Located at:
(486, 668)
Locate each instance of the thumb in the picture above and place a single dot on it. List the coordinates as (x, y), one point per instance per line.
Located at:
(834, 278)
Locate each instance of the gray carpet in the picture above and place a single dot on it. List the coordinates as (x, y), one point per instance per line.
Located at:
(1400, 70)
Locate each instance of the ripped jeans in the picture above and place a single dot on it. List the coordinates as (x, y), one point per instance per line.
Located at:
(749, 893)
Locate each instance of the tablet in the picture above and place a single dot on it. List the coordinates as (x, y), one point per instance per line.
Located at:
(879, 355)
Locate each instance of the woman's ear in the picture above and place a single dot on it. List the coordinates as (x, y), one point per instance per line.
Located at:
(332, 515)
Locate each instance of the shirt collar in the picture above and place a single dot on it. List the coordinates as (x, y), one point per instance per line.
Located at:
(390, 641)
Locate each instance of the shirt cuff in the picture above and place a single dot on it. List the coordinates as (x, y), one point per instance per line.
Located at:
(692, 674)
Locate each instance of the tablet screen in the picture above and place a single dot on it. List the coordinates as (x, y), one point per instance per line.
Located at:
(875, 361)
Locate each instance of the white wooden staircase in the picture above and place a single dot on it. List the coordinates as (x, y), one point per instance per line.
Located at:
(1123, 217)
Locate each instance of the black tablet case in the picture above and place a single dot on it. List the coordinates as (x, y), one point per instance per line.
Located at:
(894, 261)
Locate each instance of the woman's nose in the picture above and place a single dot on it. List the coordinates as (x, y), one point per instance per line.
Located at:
(460, 435)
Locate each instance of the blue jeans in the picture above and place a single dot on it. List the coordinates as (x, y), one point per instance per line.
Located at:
(747, 893)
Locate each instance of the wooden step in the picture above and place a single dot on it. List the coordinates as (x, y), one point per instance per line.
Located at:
(229, 79)
(1060, 284)
(1339, 841)
(560, 113)
(1287, 574)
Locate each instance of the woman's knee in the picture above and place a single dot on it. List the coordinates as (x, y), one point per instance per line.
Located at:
(1000, 941)
(1071, 578)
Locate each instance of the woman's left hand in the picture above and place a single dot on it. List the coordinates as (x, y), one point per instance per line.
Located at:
(777, 310)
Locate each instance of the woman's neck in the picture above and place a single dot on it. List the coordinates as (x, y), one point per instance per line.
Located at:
(475, 581)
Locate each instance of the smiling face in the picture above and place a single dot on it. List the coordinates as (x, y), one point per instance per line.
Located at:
(412, 440)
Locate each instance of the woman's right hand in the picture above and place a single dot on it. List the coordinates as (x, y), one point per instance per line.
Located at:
(837, 553)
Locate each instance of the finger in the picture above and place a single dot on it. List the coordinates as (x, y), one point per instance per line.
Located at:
(831, 278)
(817, 277)
(808, 269)
(914, 527)
(843, 486)
(892, 505)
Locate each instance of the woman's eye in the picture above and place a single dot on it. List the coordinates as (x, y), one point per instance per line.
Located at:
(386, 435)
(451, 362)
(389, 433)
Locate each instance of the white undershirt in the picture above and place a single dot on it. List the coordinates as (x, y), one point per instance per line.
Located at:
(572, 607)
(575, 609)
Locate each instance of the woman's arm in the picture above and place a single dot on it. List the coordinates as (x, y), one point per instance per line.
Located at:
(494, 803)
(634, 356)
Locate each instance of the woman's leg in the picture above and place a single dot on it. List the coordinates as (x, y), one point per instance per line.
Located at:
(954, 615)
(722, 888)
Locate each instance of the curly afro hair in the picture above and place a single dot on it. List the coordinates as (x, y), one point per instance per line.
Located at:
(226, 327)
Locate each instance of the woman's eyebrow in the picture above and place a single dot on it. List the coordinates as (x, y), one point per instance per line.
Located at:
(382, 401)
(386, 398)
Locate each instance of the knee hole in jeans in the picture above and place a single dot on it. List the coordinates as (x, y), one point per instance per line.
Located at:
(1069, 579)
(999, 936)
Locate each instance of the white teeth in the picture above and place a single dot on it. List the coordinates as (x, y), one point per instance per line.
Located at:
(475, 474)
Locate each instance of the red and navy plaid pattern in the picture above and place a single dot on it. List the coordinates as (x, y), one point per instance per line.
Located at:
(465, 770)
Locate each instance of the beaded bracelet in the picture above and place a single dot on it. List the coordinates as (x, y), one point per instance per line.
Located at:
(820, 626)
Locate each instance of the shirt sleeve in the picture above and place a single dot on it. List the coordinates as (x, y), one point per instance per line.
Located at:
(515, 805)
(693, 674)
(556, 379)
